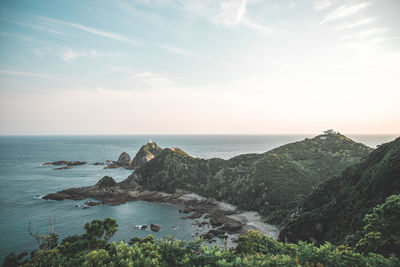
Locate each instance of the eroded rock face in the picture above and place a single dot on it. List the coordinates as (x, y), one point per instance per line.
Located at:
(124, 160)
(146, 153)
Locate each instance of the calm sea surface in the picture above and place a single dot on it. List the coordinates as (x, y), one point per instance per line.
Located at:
(23, 180)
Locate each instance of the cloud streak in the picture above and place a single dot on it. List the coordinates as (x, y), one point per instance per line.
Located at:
(358, 23)
(25, 74)
(105, 34)
(345, 11)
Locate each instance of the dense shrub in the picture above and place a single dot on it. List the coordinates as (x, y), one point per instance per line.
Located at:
(252, 250)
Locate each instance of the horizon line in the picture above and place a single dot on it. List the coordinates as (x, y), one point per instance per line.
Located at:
(193, 134)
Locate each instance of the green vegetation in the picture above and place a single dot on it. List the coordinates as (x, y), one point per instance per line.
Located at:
(93, 249)
(382, 229)
(335, 211)
(272, 183)
(106, 181)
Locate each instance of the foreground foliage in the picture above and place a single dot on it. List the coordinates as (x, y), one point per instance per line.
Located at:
(92, 249)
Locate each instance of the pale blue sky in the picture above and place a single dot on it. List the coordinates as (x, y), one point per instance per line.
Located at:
(199, 66)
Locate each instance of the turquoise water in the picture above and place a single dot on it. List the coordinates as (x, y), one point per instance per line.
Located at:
(23, 180)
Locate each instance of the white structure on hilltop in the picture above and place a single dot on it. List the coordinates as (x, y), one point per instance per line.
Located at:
(330, 131)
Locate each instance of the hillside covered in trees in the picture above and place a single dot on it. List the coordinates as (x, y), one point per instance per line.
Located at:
(334, 212)
(272, 183)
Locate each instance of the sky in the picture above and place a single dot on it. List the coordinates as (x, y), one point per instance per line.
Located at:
(199, 66)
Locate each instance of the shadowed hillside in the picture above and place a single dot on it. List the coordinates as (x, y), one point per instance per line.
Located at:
(334, 212)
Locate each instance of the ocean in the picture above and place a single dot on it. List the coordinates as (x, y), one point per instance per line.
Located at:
(23, 180)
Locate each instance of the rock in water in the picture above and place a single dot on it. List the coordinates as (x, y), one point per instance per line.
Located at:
(155, 227)
(92, 203)
(146, 153)
(63, 168)
(124, 160)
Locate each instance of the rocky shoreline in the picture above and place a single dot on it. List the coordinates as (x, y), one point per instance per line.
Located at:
(213, 217)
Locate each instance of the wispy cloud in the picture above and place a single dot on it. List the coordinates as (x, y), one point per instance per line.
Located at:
(109, 35)
(345, 11)
(25, 74)
(69, 55)
(257, 27)
(233, 13)
(358, 23)
(34, 26)
(228, 13)
(176, 50)
(141, 80)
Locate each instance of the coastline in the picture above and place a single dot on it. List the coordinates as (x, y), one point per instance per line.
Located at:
(211, 217)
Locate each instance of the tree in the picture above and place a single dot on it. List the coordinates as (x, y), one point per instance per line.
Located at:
(48, 240)
(97, 229)
(382, 229)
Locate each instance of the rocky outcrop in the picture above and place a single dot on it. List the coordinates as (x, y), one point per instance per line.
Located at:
(212, 233)
(155, 227)
(92, 203)
(106, 181)
(124, 160)
(231, 225)
(146, 153)
(69, 164)
(64, 162)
